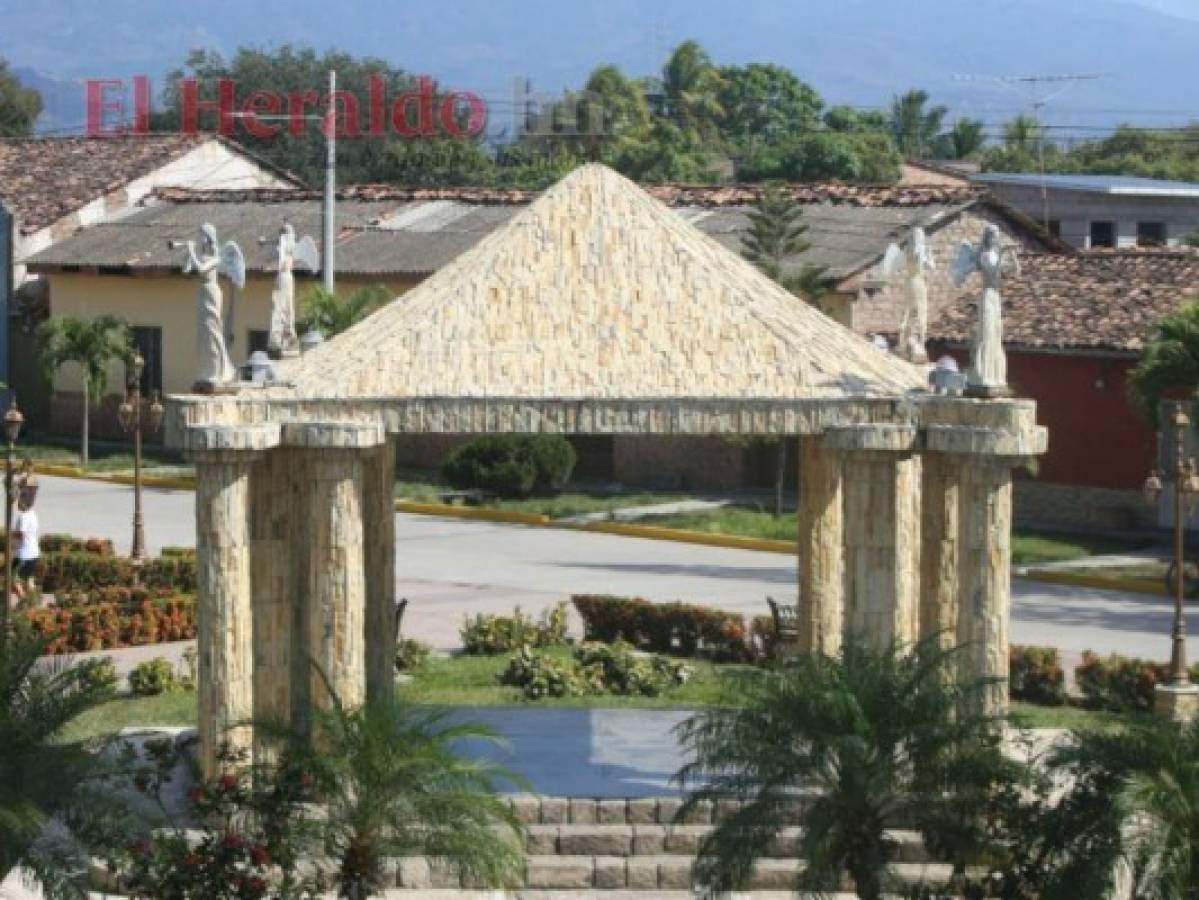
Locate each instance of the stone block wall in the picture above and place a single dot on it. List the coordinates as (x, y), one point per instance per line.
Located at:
(1040, 504)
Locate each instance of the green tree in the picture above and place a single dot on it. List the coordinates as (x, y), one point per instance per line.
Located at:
(19, 106)
(913, 126)
(965, 139)
(691, 86)
(666, 153)
(44, 774)
(763, 101)
(90, 344)
(864, 156)
(393, 784)
(1022, 134)
(1170, 363)
(847, 119)
(297, 70)
(872, 738)
(331, 314)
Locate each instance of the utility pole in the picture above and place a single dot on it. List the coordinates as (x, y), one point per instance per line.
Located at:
(328, 214)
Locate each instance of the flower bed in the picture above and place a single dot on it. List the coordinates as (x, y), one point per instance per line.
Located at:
(62, 573)
(98, 623)
(679, 629)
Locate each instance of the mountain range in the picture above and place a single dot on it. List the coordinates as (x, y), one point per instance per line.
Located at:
(860, 52)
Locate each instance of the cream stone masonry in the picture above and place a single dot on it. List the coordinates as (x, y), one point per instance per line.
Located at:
(596, 310)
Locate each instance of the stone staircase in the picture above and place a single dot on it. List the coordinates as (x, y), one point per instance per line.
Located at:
(631, 850)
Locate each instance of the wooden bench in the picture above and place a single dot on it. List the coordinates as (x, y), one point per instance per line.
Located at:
(465, 498)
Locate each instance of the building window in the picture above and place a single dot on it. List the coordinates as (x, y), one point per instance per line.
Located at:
(1055, 227)
(1151, 234)
(256, 340)
(148, 341)
(1103, 234)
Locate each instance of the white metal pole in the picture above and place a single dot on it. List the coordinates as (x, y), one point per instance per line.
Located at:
(329, 254)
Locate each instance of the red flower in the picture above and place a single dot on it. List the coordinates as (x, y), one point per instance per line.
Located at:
(228, 782)
(234, 840)
(259, 854)
(192, 859)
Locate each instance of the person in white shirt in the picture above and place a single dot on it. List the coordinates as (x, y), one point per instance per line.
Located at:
(25, 540)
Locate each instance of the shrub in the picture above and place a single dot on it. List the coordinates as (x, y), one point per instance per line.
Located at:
(594, 669)
(66, 543)
(97, 673)
(68, 572)
(1121, 683)
(511, 465)
(488, 635)
(1036, 676)
(674, 628)
(411, 654)
(112, 617)
(154, 676)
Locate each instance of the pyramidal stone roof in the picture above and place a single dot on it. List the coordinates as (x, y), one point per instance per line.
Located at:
(598, 291)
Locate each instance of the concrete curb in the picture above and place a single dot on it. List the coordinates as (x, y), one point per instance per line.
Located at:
(478, 513)
(1130, 585)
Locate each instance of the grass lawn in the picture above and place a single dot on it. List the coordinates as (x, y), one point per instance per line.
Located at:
(474, 681)
(424, 487)
(738, 520)
(105, 456)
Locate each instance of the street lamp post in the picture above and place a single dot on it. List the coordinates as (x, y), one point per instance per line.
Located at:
(13, 420)
(130, 415)
(1186, 481)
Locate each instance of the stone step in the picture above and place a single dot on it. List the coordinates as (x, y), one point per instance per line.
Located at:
(534, 809)
(649, 840)
(643, 873)
(535, 894)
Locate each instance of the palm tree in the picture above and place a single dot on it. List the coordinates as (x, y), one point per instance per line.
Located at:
(869, 739)
(1022, 134)
(691, 85)
(1132, 806)
(394, 785)
(43, 775)
(1170, 362)
(92, 345)
(330, 314)
(966, 138)
(914, 128)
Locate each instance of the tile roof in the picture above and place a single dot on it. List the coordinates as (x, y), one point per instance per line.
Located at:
(44, 179)
(596, 290)
(1097, 300)
(386, 230)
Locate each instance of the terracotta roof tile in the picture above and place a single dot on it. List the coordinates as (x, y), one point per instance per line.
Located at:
(44, 179)
(1101, 300)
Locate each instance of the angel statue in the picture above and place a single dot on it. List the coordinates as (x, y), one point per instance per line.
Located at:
(282, 340)
(214, 332)
(987, 375)
(911, 262)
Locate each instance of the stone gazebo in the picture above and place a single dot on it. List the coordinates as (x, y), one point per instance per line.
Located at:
(597, 310)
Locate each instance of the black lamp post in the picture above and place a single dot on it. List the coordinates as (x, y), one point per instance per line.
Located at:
(13, 420)
(130, 415)
(1186, 481)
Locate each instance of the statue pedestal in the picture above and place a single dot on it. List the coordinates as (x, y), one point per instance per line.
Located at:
(1176, 703)
(214, 387)
(988, 391)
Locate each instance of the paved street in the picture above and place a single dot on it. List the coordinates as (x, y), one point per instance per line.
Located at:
(451, 567)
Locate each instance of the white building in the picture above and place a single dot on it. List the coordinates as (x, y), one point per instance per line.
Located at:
(1095, 211)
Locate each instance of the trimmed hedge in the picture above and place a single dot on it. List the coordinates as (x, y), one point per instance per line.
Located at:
(679, 629)
(61, 573)
(66, 543)
(1121, 683)
(1036, 675)
(511, 465)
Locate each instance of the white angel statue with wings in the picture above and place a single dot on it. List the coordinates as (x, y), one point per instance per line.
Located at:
(282, 339)
(911, 261)
(987, 376)
(214, 329)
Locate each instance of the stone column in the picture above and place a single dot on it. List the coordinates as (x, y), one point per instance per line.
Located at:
(273, 525)
(336, 583)
(379, 509)
(821, 566)
(882, 533)
(940, 540)
(225, 675)
(984, 573)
